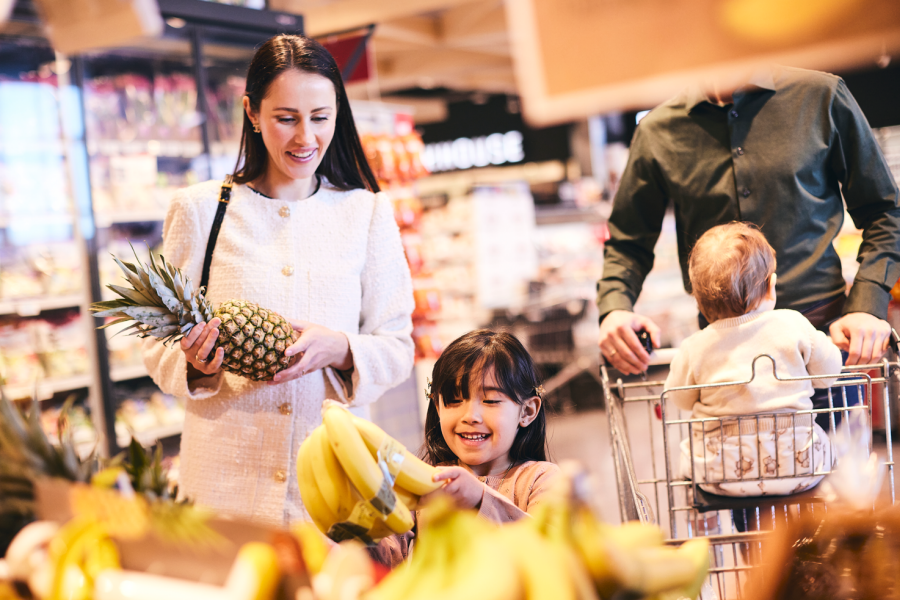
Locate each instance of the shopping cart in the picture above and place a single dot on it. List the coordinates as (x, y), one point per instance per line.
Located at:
(651, 488)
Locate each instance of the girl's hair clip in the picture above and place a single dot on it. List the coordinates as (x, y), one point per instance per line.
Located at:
(428, 393)
(539, 391)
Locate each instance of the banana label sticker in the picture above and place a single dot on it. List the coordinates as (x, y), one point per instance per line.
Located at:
(390, 458)
(385, 500)
(357, 526)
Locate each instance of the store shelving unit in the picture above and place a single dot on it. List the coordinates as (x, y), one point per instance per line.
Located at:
(134, 123)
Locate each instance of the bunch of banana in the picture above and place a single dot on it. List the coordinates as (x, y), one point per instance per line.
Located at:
(78, 553)
(356, 481)
(456, 555)
(629, 558)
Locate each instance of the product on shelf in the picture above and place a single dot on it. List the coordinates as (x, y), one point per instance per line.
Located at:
(394, 151)
(40, 270)
(48, 347)
(79, 422)
(227, 108)
(144, 414)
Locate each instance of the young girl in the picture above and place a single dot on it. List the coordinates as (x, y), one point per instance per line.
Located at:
(732, 271)
(486, 431)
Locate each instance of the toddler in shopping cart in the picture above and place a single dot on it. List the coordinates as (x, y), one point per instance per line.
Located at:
(732, 272)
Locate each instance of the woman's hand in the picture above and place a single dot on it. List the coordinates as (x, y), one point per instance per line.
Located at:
(461, 485)
(317, 347)
(197, 346)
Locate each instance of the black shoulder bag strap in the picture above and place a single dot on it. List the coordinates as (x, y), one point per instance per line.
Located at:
(224, 197)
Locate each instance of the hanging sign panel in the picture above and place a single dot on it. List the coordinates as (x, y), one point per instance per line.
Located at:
(77, 25)
(575, 58)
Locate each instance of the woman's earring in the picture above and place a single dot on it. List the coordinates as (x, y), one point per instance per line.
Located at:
(256, 128)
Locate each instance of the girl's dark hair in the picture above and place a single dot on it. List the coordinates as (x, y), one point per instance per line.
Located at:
(344, 164)
(514, 371)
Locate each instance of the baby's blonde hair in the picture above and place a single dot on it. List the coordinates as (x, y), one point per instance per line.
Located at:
(730, 268)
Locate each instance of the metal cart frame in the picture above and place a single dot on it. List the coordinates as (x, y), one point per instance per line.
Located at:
(639, 490)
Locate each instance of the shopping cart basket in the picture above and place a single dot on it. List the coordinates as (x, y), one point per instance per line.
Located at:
(648, 474)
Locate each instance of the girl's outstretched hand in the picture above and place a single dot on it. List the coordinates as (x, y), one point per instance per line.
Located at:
(461, 485)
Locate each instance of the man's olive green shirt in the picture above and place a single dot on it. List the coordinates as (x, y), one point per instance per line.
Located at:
(780, 156)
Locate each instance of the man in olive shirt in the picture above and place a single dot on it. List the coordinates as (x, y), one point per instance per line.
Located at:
(778, 152)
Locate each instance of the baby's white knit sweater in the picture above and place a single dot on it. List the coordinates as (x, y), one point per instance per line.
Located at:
(724, 352)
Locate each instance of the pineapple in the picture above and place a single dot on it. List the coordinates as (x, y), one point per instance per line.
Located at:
(163, 304)
(27, 455)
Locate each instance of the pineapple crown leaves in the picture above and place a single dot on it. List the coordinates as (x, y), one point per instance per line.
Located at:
(161, 301)
(24, 443)
(145, 470)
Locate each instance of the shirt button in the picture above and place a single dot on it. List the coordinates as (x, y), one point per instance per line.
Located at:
(734, 114)
(280, 476)
(284, 211)
(285, 409)
(287, 271)
(745, 192)
(740, 151)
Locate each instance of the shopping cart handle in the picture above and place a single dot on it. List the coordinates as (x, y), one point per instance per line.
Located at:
(659, 356)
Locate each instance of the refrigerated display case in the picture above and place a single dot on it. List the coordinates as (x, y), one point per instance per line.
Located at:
(91, 149)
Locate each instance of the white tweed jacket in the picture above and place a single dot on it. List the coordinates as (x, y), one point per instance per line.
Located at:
(334, 259)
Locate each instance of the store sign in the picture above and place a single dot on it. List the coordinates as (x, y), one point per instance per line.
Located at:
(466, 153)
(576, 58)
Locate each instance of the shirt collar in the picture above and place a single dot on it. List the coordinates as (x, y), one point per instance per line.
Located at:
(762, 80)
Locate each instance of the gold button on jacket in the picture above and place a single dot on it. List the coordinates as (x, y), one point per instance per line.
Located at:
(285, 409)
(287, 271)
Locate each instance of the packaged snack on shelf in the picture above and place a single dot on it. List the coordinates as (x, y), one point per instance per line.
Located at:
(135, 415)
(59, 343)
(407, 207)
(175, 100)
(168, 408)
(427, 298)
(82, 428)
(227, 112)
(427, 339)
(19, 364)
(412, 247)
(44, 269)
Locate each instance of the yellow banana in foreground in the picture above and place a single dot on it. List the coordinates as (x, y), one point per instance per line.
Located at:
(541, 566)
(652, 570)
(70, 550)
(313, 545)
(330, 478)
(415, 475)
(696, 550)
(255, 574)
(309, 491)
(362, 470)
(410, 500)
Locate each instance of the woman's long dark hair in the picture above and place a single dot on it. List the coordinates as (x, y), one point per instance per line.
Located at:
(344, 164)
(515, 372)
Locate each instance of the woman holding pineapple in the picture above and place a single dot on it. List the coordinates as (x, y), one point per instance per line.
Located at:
(307, 236)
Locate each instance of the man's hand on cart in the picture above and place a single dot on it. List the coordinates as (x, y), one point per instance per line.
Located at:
(862, 336)
(619, 341)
